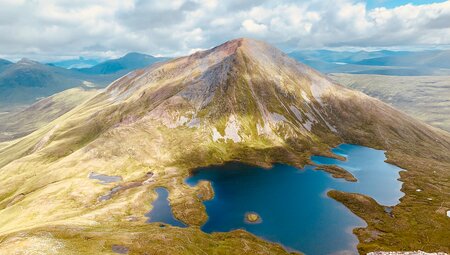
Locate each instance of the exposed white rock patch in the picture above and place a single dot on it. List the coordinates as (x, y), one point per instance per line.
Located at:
(276, 117)
(331, 127)
(448, 214)
(310, 121)
(296, 112)
(182, 120)
(308, 125)
(318, 86)
(232, 130)
(193, 123)
(311, 117)
(169, 122)
(259, 129)
(216, 135)
(305, 97)
(88, 84)
(264, 129)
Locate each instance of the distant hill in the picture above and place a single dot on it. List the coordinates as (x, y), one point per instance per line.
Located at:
(437, 59)
(4, 64)
(348, 57)
(424, 97)
(384, 62)
(76, 63)
(27, 81)
(125, 64)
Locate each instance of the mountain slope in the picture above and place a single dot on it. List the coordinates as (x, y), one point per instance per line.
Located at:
(244, 101)
(27, 81)
(4, 64)
(125, 64)
(17, 124)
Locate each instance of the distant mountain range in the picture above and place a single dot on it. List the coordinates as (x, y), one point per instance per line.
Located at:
(125, 64)
(385, 62)
(26, 81)
(80, 62)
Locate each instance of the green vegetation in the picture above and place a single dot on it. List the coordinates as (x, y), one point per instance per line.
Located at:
(20, 123)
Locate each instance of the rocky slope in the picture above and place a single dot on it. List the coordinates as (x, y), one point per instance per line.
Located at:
(243, 100)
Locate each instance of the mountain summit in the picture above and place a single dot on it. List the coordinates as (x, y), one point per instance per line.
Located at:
(241, 101)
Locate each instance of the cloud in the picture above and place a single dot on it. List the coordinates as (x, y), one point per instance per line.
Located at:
(63, 28)
(252, 27)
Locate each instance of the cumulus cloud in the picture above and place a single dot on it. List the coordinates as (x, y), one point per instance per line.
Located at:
(107, 28)
(252, 27)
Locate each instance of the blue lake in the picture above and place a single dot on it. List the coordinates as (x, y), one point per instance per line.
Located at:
(292, 202)
(161, 211)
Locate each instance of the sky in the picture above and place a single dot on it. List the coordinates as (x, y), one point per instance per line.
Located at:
(63, 29)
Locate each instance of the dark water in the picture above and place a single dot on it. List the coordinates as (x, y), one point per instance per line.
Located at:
(104, 179)
(292, 203)
(376, 178)
(161, 211)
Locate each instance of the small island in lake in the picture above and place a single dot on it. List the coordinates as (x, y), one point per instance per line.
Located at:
(252, 217)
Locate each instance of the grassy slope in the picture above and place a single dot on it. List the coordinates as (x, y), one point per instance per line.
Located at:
(424, 97)
(17, 124)
(132, 128)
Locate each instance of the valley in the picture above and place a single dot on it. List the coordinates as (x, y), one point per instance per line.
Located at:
(426, 98)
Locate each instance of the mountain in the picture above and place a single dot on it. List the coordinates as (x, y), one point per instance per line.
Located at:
(4, 64)
(125, 64)
(76, 63)
(241, 101)
(435, 59)
(348, 57)
(383, 62)
(27, 81)
(18, 124)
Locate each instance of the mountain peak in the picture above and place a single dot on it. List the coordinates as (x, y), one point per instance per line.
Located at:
(243, 44)
(135, 54)
(27, 61)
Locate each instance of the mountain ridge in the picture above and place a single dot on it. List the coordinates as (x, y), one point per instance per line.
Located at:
(122, 65)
